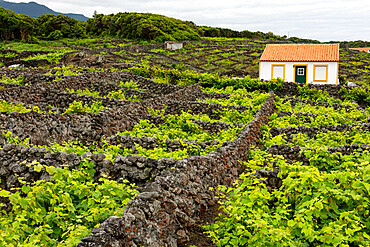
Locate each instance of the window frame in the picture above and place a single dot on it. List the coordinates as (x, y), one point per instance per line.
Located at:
(314, 72)
(272, 70)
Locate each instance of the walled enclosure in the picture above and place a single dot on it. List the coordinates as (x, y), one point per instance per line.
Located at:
(166, 208)
(162, 213)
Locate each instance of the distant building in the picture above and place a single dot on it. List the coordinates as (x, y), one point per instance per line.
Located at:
(302, 63)
(365, 49)
(172, 45)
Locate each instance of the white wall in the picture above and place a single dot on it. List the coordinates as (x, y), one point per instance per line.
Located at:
(174, 46)
(265, 71)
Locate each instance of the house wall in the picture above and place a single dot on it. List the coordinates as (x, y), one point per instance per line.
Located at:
(174, 46)
(288, 72)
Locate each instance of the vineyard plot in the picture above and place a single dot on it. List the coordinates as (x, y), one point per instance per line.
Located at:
(308, 185)
(82, 144)
(104, 137)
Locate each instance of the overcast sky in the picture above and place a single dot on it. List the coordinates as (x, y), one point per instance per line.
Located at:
(323, 20)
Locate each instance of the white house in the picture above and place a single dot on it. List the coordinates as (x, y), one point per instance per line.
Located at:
(173, 45)
(302, 63)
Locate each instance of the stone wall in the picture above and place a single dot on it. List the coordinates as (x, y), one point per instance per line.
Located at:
(336, 106)
(211, 127)
(153, 142)
(290, 89)
(311, 132)
(144, 48)
(8, 85)
(15, 159)
(165, 210)
(104, 82)
(295, 154)
(43, 128)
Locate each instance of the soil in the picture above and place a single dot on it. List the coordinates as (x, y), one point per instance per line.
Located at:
(197, 237)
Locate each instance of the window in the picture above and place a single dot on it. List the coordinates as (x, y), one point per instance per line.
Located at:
(320, 73)
(300, 71)
(278, 70)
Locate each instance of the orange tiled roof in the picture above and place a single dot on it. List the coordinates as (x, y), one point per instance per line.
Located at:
(301, 53)
(367, 49)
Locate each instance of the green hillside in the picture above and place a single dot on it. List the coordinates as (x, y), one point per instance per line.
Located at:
(149, 27)
(145, 26)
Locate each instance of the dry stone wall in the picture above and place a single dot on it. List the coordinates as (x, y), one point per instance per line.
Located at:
(15, 159)
(153, 142)
(296, 154)
(311, 132)
(43, 128)
(290, 89)
(336, 106)
(167, 207)
(173, 193)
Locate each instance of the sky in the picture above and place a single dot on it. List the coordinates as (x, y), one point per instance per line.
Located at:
(323, 20)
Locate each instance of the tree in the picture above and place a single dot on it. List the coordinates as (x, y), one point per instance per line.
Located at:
(46, 25)
(15, 26)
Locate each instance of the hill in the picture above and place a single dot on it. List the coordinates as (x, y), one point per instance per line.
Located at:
(35, 10)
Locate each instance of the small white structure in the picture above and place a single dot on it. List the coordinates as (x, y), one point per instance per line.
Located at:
(173, 45)
(351, 84)
(302, 63)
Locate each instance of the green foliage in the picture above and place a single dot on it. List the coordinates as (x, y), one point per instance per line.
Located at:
(121, 95)
(311, 208)
(237, 99)
(77, 107)
(19, 80)
(16, 107)
(55, 35)
(85, 91)
(62, 211)
(142, 26)
(355, 67)
(325, 203)
(15, 26)
(311, 93)
(15, 139)
(9, 54)
(131, 84)
(52, 58)
(66, 71)
(359, 94)
(334, 138)
(323, 115)
(228, 33)
(54, 27)
(208, 80)
(117, 95)
(35, 46)
(180, 128)
(234, 116)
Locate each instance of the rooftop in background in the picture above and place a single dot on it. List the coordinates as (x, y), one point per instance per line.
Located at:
(365, 49)
(300, 52)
